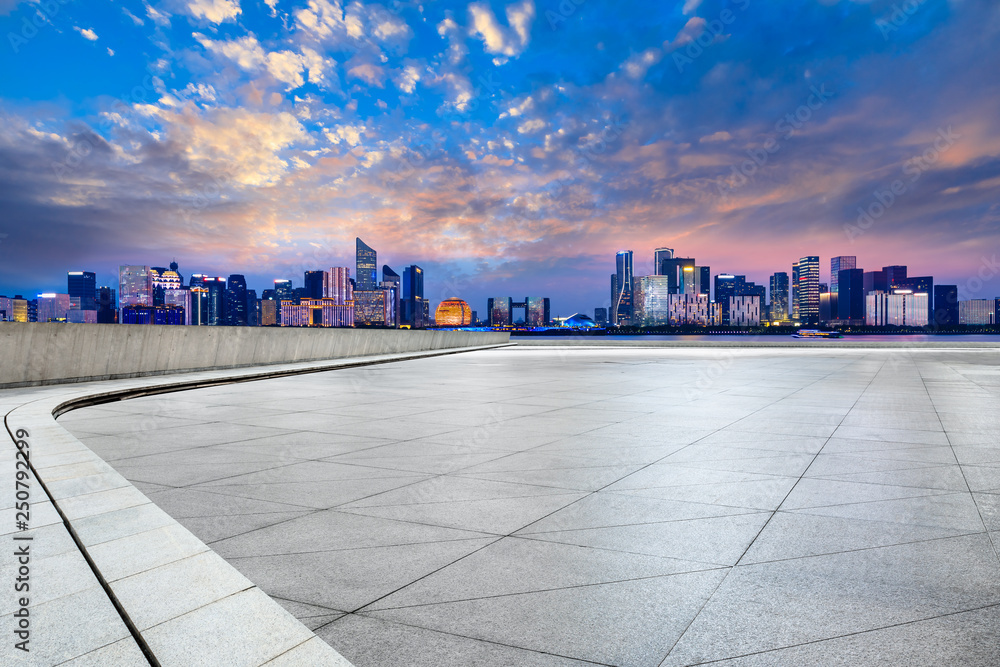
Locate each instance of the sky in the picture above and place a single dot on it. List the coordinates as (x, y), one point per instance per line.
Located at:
(508, 148)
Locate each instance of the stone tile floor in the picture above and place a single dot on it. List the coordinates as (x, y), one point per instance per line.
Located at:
(613, 506)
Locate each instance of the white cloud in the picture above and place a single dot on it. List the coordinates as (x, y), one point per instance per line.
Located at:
(638, 64)
(87, 33)
(460, 88)
(273, 6)
(370, 73)
(111, 51)
(349, 134)
(519, 109)
(408, 78)
(135, 19)
(157, 16)
(245, 51)
(449, 30)
(506, 41)
(287, 67)
(215, 11)
(530, 126)
(328, 21)
(319, 67)
(721, 135)
(690, 7)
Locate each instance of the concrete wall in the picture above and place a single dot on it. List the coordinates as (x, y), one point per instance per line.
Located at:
(35, 354)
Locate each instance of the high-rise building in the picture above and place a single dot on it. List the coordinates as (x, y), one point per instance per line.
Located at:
(283, 291)
(372, 308)
(314, 284)
(235, 309)
(164, 279)
(779, 297)
(536, 311)
(744, 310)
(181, 298)
(135, 286)
(677, 269)
(215, 300)
(391, 281)
(253, 308)
(500, 310)
(269, 311)
(337, 285)
(977, 312)
(894, 274)
(82, 289)
(901, 309)
(651, 301)
(367, 267)
(601, 316)
(107, 305)
(316, 313)
(659, 255)
(692, 310)
(727, 286)
(805, 289)
(851, 295)
(52, 307)
(828, 305)
(945, 306)
(414, 306)
(838, 264)
(875, 281)
(621, 300)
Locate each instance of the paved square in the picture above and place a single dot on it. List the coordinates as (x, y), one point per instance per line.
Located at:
(600, 506)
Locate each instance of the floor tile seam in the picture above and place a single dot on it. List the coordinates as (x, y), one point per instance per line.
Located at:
(826, 554)
(554, 589)
(99, 648)
(709, 564)
(229, 495)
(206, 481)
(965, 478)
(650, 523)
(845, 635)
(483, 536)
(301, 515)
(188, 449)
(308, 604)
(470, 638)
(694, 618)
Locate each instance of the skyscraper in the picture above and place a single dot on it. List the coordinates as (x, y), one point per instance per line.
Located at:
(779, 297)
(838, 264)
(314, 282)
(392, 283)
(236, 301)
(82, 289)
(621, 303)
(367, 267)
(283, 291)
(851, 296)
(135, 287)
(215, 300)
(726, 287)
(805, 289)
(659, 255)
(500, 311)
(337, 285)
(413, 304)
(945, 306)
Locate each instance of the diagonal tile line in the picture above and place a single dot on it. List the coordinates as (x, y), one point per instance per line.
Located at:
(961, 468)
(849, 634)
(775, 512)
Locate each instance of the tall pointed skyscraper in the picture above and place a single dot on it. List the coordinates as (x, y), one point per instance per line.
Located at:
(367, 267)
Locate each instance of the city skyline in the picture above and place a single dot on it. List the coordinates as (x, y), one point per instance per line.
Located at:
(503, 145)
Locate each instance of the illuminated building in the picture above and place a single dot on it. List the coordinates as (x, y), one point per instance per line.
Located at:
(323, 312)
(165, 315)
(537, 311)
(744, 311)
(6, 309)
(82, 289)
(827, 305)
(901, 309)
(52, 307)
(621, 289)
(677, 270)
(181, 298)
(453, 313)
(601, 316)
(337, 285)
(659, 255)
(235, 309)
(805, 290)
(392, 284)
(163, 281)
(651, 301)
(215, 300)
(779, 297)
(946, 305)
(135, 287)
(367, 267)
(977, 312)
(269, 312)
(727, 286)
(283, 291)
(372, 307)
(500, 311)
(692, 310)
(414, 308)
(838, 264)
(578, 321)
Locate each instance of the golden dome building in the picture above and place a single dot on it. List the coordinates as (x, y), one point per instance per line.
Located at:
(453, 313)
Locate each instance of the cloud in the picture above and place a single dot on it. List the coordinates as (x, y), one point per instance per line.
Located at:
(407, 79)
(287, 67)
(111, 51)
(690, 7)
(159, 17)
(87, 33)
(214, 11)
(370, 73)
(349, 134)
(506, 41)
(637, 65)
(721, 135)
(245, 51)
(135, 19)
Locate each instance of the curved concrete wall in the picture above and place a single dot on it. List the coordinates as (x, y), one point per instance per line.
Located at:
(37, 354)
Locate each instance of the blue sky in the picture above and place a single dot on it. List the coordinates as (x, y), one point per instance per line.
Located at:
(509, 148)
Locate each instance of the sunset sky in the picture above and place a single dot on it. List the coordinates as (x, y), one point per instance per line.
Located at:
(509, 148)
